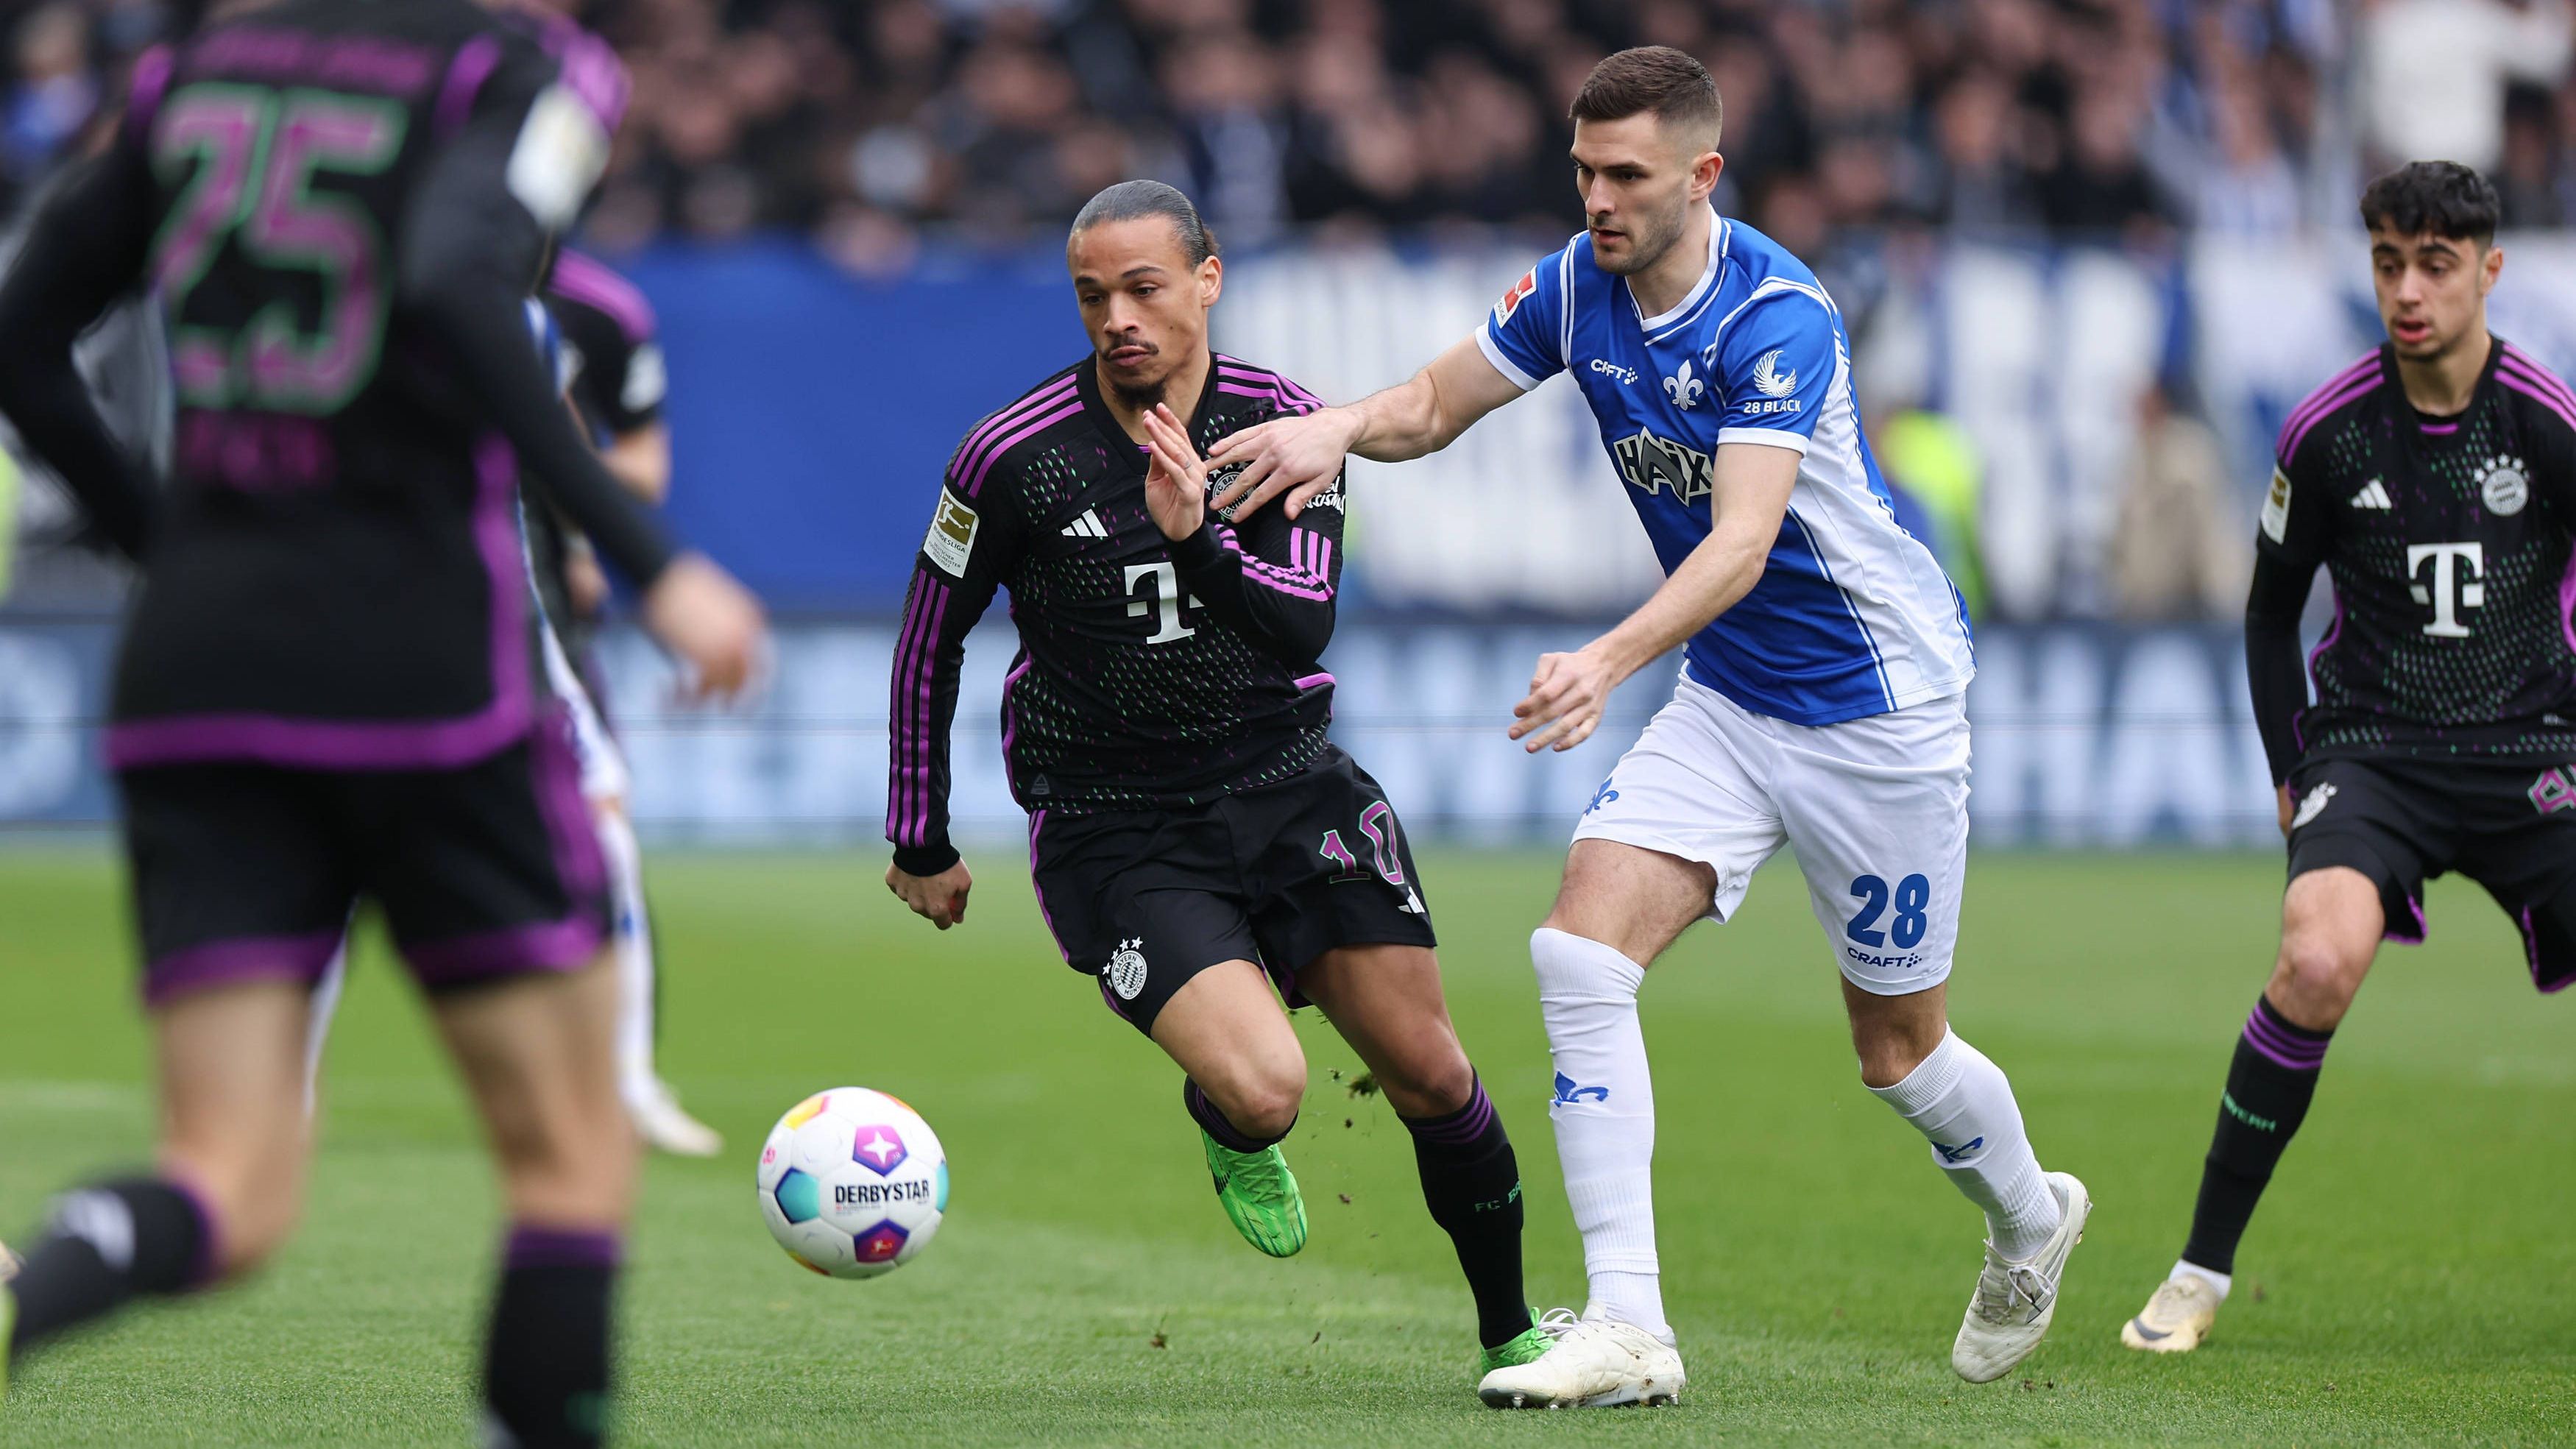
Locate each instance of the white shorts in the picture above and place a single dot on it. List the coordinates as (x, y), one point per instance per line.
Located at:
(603, 766)
(1876, 809)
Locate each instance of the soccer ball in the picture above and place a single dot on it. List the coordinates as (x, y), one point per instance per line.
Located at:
(852, 1183)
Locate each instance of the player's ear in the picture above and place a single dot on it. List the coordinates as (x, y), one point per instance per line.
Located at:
(2490, 267)
(1704, 173)
(1211, 275)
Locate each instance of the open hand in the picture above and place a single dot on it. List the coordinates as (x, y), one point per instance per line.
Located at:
(1175, 478)
(1297, 456)
(1568, 694)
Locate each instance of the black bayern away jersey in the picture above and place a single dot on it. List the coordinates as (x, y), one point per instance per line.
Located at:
(1150, 674)
(2448, 543)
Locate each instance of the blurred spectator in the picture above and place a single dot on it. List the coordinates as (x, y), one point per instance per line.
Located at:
(2434, 73)
(882, 126)
(2248, 188)
(2181, 549)
(53, 90)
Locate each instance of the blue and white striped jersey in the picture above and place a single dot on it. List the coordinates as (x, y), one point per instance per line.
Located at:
(1853, 616)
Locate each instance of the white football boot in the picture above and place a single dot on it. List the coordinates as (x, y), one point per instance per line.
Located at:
(666, 1128)
(2176, 1319)
(1595, 1362)
(2014, 1302)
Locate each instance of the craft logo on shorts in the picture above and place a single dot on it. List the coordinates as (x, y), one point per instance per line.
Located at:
(1126, 971)
(2504, 486)
(952, 535)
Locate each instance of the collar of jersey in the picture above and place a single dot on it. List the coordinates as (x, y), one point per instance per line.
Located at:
(1699, 292)
(1086, 385)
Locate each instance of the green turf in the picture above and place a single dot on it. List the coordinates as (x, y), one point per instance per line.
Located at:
(2408, 1281)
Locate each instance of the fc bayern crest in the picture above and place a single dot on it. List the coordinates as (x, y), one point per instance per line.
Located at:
(1126, 973)
(2504, 486)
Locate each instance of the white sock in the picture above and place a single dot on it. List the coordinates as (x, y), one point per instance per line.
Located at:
(324, 1005)
(632, 935)
(2218, 1281)
(1604, 1113)
(1961, 1102)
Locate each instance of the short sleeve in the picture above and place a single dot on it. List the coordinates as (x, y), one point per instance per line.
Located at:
(1776, 362)
(1525, 337)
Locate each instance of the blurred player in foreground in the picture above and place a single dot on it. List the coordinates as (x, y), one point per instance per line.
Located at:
(328, 687)
(2435, 481)
(1195, 838)
(1821, 705)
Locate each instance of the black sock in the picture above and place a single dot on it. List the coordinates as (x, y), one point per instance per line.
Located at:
(1472, 1183)
(1205, 1113)
(2268, 1089)
(104, 1245)
(545, 1370)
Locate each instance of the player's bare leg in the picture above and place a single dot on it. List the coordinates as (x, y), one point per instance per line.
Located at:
(1619, 908)
(231, 1176)
(1963, 1105)
(1246, 1080)
(1386, 1001)
(2331, 924)
(538, 1054)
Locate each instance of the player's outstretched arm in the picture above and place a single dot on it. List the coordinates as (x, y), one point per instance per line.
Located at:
(1749, 497)
(1301, 456)
(85, 249)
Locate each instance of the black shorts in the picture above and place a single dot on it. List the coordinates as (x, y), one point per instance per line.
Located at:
(2511, 827)
(1277, 876)
(248, 872)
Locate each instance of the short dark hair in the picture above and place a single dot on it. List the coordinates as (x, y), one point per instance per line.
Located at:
(2442, 198)
(1657, 78)
(1136, 200)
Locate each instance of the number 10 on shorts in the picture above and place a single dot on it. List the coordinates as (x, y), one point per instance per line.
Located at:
(1912, 899)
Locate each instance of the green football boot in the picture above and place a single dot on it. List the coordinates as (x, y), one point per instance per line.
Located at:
(1260, 1196)
(1512, 1353)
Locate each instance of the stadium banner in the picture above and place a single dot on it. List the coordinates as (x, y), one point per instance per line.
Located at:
(2084, 735)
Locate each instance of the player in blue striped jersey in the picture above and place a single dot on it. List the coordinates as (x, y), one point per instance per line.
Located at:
(1821, 706)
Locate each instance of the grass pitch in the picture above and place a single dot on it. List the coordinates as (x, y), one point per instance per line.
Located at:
(2407, 1282)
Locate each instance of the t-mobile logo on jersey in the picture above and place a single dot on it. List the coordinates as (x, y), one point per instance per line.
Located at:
(2449, 592)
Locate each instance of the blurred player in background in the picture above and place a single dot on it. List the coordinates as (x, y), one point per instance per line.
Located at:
(2435, 482)
(1197, 843)
(328, 687)
(599, 336)
(1822, 704)
(617, 381)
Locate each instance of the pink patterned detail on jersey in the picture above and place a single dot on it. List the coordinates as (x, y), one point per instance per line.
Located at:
(2318, 409)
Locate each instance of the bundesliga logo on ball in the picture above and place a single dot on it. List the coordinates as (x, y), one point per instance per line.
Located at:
(852, 1183)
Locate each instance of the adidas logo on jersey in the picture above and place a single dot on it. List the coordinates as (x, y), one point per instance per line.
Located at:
(2373, 494)
(1087, 526)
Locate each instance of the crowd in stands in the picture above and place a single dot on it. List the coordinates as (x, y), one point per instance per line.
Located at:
(874, 124)
(890, 131)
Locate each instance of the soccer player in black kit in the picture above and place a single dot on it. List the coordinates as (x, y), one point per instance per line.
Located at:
(1197, 843)
(2435, 480)
(328, 684)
